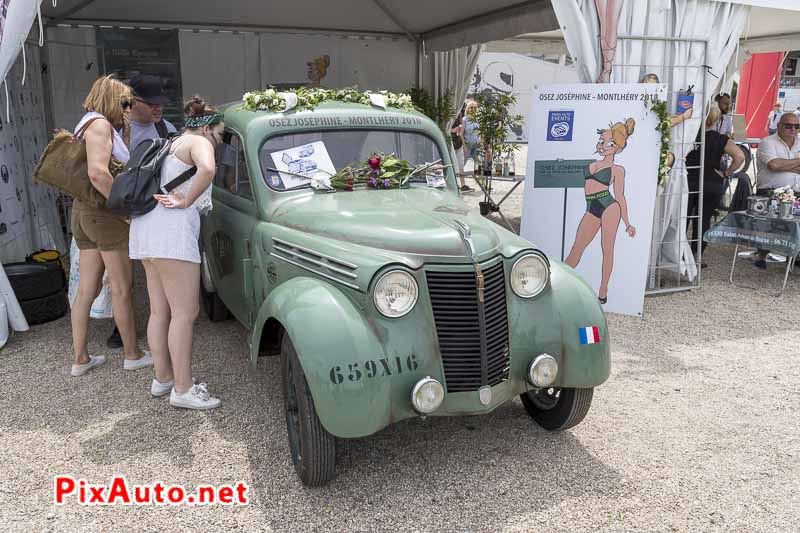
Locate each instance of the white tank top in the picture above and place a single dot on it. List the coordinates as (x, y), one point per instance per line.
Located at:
(118, 148)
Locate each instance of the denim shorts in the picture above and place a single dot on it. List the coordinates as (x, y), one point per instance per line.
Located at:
(471, 151)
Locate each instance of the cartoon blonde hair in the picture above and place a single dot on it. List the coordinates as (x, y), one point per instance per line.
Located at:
(621, 131)
(322, 63)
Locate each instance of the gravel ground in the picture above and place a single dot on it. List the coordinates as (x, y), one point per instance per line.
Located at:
(695, 431)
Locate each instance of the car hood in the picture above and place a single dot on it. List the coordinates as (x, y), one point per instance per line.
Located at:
(422, 221)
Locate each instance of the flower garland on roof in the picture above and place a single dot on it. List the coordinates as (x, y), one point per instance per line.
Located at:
(308, 98)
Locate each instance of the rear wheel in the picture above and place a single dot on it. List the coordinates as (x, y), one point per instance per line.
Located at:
(313, 449)
(558, 409)
(215, 308)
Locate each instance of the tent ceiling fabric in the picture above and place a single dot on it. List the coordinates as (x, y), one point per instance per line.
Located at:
(443, 25)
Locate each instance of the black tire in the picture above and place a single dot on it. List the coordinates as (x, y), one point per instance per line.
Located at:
(33, 280)
(558, 409)
(45, 309)
(313, 449)
(748, 157)
(215, 308)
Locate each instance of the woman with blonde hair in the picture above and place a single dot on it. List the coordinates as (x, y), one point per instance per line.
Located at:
(102, 237)
(716, 146)
(604, 211)
(166, 240)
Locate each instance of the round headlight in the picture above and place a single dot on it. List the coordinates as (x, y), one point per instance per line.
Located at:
(529, 275)
(395, 293)
(543, 371)
(427, 395)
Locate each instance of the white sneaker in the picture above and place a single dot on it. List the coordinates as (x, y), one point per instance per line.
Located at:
(159, 389)
(79, 370)
(135, 364)
(195, 398)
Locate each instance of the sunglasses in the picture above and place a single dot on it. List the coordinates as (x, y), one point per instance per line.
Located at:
(126, 104)
(790, 126)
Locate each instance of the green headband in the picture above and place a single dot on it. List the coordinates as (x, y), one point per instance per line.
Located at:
(203, 120)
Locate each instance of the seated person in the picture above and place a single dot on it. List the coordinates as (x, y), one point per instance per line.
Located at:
(778, 163)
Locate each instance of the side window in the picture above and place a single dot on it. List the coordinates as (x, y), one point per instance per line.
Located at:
(226, 162)
(232, 174)
(242, 176)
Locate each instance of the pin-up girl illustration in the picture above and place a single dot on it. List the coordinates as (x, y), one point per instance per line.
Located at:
(604, 211)
(317, 69)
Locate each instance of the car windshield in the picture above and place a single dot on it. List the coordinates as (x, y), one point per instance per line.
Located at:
(292, 161)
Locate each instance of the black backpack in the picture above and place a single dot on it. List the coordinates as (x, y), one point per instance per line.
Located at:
(133, 188)
(161, 128)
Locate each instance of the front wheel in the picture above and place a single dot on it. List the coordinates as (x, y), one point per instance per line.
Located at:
(313, 448)
(558, 409)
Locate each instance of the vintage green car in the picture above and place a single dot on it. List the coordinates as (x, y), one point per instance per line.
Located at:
(386, 304)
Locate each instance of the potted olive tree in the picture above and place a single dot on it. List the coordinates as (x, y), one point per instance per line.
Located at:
(493, 120)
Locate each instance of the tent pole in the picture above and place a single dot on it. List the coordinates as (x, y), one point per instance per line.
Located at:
(391, 16)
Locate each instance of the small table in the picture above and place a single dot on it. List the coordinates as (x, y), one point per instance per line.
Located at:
(491, 205)
(777, 235)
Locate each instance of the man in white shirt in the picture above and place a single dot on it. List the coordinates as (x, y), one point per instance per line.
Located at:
(778, 162)
(772, 119)
(147, 120)
(725, 123)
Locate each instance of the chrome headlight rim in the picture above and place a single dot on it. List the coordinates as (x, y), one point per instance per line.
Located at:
(378, 282)
(536, 360)
(418, 386)
(539, 256)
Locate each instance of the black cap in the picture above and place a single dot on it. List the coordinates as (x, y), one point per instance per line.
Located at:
(148, 88)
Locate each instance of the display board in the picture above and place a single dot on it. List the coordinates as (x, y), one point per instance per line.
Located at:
(127, 53)
(517, 75)
(590, 185)
(29, 219)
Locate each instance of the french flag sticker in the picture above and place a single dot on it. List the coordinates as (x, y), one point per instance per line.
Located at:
(590, 335)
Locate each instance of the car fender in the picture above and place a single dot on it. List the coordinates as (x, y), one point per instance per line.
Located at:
(582, 365)
(329, 333)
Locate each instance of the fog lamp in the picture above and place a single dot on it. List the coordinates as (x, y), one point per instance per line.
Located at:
(543, 370)
(427, 395)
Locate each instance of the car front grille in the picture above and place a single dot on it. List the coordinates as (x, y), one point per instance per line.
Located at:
(473, 336)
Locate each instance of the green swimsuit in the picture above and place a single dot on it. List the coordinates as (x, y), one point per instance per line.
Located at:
(598, 202)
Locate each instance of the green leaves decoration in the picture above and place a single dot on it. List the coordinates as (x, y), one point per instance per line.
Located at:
(273, 100)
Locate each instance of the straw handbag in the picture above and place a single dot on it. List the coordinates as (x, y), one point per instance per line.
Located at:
(63, 166)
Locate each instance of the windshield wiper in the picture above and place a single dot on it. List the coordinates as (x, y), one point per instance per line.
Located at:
(316, 180)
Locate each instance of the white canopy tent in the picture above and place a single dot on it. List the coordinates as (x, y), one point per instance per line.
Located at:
(432, 44)
(440, 26)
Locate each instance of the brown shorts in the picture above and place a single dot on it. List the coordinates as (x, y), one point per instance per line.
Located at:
(94, 227)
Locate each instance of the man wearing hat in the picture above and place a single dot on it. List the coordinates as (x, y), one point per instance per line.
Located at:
(147, 120)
